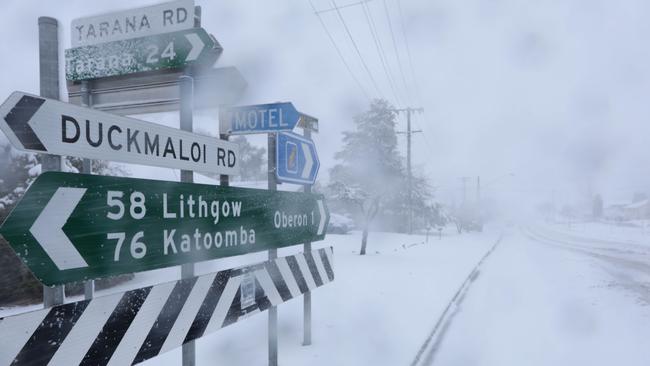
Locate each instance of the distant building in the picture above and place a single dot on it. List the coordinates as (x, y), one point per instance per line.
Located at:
(638, 210)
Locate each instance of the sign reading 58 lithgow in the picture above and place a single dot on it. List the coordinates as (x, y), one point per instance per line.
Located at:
(71, 227)
(36, 124)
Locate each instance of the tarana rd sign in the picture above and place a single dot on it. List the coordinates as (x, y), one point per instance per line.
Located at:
(49, 126)
(72, 227)
(297, 161)
(156, 52)
(161, 18)
(259, 118)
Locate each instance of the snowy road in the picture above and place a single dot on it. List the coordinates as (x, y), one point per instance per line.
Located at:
(549, 298)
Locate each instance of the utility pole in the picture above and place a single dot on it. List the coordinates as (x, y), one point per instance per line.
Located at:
(478, 190)
(464, 182)
(409, 171)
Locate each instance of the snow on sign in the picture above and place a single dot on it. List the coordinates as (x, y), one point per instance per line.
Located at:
(157, 52)
(140, 224)
(42, 125)
(296, 158)
(128, 328)
(259, 118)
(162, 18)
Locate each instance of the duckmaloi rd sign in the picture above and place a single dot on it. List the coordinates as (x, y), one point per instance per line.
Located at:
(49, 126)
(71, 227)
(161, 18)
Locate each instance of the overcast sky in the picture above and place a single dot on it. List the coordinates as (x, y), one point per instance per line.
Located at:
(553, 92)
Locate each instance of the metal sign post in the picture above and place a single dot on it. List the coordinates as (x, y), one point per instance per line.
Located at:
(89, 286)
(48, 46)
(273, 253)
(186, 118)
(307, 299)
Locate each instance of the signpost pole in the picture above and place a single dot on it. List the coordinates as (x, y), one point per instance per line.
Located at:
(48, 47)
(186, 84)
(86, 100)
(273, 254)
(187, 270)
(307, 299)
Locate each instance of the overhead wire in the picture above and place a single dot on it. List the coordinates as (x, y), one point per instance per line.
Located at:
(399, 61)
(408, 52)
(354, 44)
(338, 51)
(380, 51)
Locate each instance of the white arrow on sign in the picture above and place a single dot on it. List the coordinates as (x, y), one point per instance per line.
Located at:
(197, 46)
(42, 125)
(323, 218)
(309, 161)
(48, 228)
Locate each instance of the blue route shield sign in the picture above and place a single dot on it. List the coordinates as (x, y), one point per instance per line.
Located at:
(296, 158)
(259, 118)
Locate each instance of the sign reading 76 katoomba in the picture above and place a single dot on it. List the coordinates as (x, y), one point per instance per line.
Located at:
(72, 227)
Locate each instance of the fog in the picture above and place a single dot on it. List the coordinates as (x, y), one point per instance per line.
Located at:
(550, 91)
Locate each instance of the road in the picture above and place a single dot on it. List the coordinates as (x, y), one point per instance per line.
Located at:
(549, 298)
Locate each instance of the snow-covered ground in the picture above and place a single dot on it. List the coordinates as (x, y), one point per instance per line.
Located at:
(553, 300)
(378, 311)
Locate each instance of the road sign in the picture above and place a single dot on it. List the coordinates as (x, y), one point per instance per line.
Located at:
(133, 326)
(132, 23)
(162, 51)
(297, 161)
(71, 227)
(158, 91)
(259, 118)
(49, 126)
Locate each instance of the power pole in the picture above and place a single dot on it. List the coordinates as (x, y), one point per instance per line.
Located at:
(464, 182)
(409, 173)
(478, 190)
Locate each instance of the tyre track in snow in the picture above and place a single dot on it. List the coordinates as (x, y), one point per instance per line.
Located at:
(427, 351)
(616, 261)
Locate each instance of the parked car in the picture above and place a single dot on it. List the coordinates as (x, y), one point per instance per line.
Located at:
(339, 224)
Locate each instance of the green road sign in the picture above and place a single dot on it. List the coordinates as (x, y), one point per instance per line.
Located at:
(162, 51)
(73, 227)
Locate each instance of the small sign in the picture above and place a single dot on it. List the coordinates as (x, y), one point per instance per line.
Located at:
(132, 23)
(296, 158)
(74, 227)
(247, 290)
(41, 125)
(158, 52)
(260, 118)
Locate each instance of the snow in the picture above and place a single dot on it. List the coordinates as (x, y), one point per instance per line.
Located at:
(377, 311)
(539, 304)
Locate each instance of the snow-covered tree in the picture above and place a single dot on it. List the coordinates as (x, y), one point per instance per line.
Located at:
(369, 169)
(252, 160)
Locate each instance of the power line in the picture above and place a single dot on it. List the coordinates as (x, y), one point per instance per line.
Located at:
(343, 6)
(338, 51)
(363, 62)
(380, 50)
(408, 52)
(399, 61)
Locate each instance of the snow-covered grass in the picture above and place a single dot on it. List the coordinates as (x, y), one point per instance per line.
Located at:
(378, 311)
